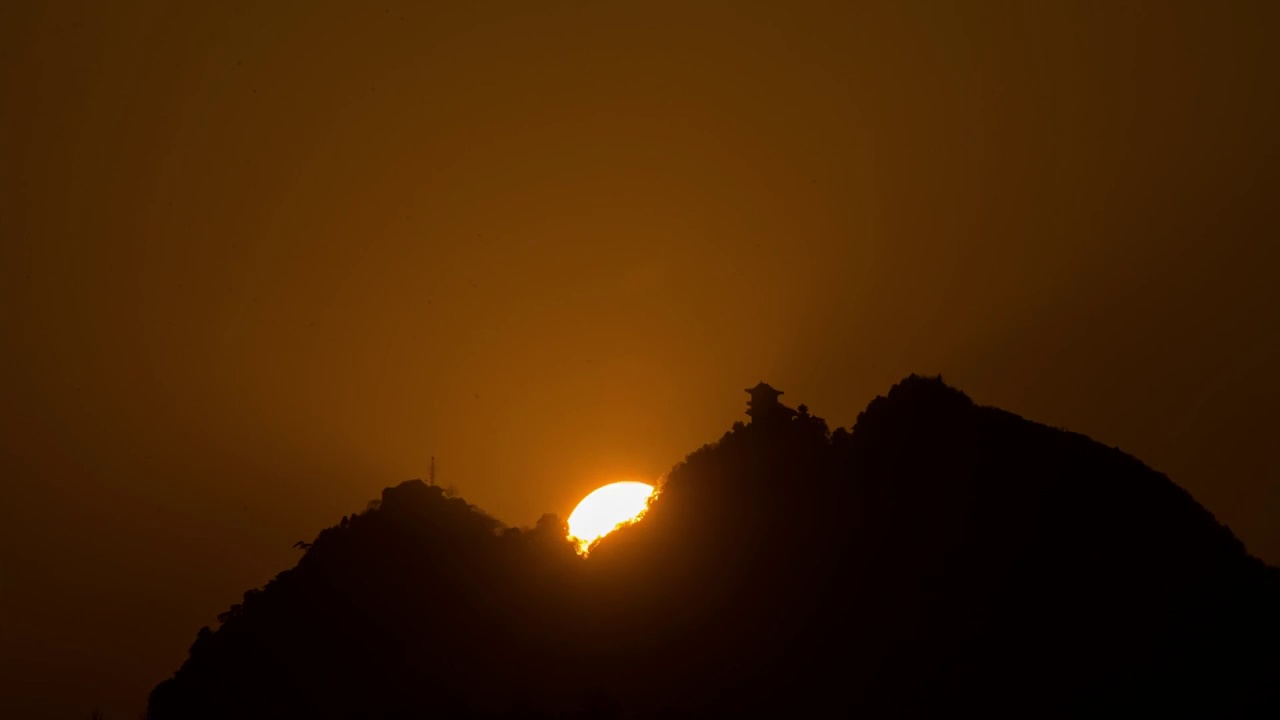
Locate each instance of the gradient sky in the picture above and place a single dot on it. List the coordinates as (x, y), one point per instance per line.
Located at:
(259, 260)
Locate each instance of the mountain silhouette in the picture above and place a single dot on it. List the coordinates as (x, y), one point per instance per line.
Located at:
(940, 558)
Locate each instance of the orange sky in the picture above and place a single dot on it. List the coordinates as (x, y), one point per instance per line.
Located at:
(260, 260)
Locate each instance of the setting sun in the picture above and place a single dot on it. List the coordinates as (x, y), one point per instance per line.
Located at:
(606, 508)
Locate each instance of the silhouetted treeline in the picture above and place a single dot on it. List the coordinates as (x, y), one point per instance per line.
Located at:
(940, 558)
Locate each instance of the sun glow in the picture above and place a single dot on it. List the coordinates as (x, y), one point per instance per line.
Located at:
(605, 509)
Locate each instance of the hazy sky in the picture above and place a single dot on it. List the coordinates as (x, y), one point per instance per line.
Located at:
(260, 260)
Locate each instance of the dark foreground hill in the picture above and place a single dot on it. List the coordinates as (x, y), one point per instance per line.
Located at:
(940, 559)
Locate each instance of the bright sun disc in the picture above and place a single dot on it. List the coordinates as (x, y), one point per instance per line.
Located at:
(607, 508)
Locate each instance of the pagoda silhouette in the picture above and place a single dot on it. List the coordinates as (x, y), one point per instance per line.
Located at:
(764, 407)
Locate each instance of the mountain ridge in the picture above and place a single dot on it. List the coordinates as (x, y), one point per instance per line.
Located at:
(940, 555)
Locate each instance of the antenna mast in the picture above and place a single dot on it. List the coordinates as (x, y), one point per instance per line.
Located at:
(432, 481)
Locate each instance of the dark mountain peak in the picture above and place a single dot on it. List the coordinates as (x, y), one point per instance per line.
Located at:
(924, 389)
(915, 399)
(411, 492)
(925, 454)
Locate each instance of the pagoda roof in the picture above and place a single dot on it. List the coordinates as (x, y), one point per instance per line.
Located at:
(763, 387)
